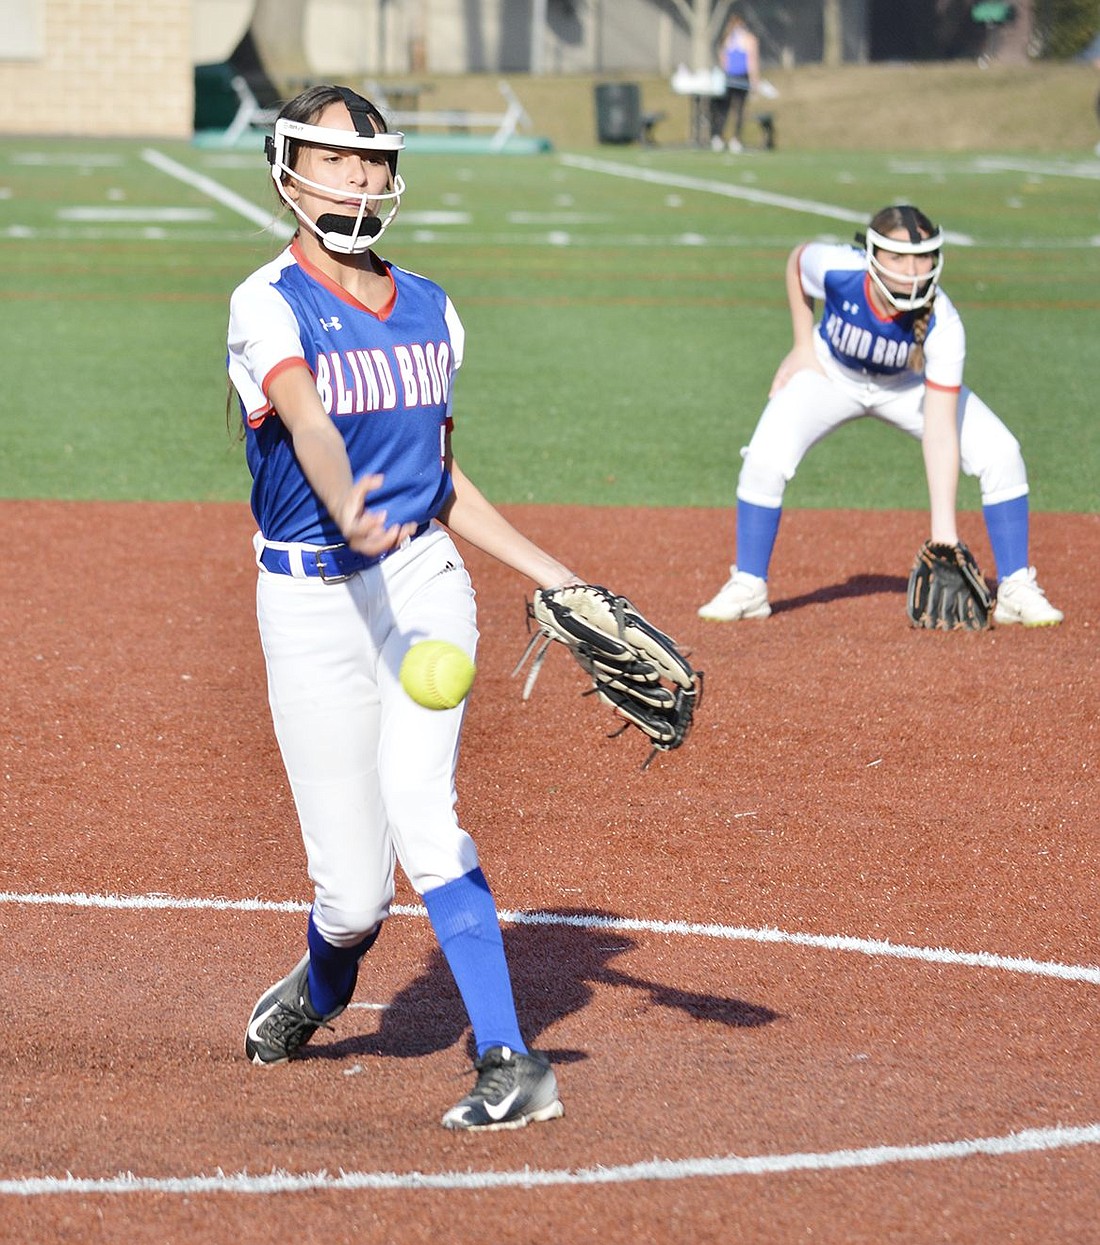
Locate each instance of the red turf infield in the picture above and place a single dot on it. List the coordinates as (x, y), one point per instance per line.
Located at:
(825, 790)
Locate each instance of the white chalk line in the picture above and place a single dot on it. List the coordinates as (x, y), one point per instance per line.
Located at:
(1085, 170)
(216, 191)
(1022, 1142)
(750, 194)
(824, 942)
(283, 232)
(1028, 1141)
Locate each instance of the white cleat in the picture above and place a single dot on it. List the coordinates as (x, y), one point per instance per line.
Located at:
(1021, 600)
(742, 596)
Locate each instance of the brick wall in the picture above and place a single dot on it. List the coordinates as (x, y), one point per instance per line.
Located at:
(108, 67)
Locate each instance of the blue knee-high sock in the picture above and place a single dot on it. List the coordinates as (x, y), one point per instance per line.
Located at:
(1007, 525)
(464, 918)
(757, 528)
(333, 971)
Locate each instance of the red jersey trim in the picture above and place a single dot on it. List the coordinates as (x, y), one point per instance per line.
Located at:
(870, 294)
(339, 291)
(256, 418)
(931, 384)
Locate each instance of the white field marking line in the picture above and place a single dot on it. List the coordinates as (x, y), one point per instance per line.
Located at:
(218, 192)
(1023, 1142)
(1027, 1141)
(1043, 168)
(435, 217)
(135, 215)
(87, 159)
(557, 218)
(141, 233)
(733, 933)
(810, 207)
(1088, 170)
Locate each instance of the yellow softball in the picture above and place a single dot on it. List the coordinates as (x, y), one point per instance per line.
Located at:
(437, 674)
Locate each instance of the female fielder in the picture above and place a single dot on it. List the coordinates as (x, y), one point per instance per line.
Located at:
(890, 344)
(343, 364)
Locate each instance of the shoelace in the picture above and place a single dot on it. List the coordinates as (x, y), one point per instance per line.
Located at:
(289, 1027)
(1028, 585)
(494, 1080)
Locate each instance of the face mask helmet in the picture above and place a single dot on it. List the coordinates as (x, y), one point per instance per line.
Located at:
(921, 286)
(340, 233)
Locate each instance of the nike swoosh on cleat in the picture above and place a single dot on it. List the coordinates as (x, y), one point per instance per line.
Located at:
(257, 1021)
(501, 1109)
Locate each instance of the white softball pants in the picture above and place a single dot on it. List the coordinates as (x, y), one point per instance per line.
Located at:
(811, 405)
(372, 773)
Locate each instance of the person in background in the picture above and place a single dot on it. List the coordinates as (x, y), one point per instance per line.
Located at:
(739, 59)
(889, 344)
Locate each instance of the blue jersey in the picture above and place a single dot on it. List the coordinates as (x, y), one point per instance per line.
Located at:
(384, 378)
(861, 340)
(735, 56)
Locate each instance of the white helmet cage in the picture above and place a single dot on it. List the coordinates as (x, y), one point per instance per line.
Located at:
(340, 233)
(921, 286)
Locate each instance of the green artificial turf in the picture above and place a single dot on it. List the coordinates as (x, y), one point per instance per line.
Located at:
(621, 333)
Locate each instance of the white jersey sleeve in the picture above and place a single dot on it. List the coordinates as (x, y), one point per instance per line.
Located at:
(263, 332)
(458, 333)
(817, 258)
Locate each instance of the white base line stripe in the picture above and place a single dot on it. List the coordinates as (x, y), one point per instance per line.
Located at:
(215, 190)
(826, 942)
(1028, 1141)
(767, 197)
(1023, 1142)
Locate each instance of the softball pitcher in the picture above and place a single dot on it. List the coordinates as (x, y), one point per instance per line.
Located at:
(344, 364)
(889, 344)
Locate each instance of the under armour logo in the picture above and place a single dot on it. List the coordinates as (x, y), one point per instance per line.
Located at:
(334, 323)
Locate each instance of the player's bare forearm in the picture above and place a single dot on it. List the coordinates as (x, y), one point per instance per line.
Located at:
(323, 457)
(802, 354)
(470, 515)
(801, 305)
(940, 445)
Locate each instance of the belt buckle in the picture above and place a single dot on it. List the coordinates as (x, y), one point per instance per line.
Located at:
(318, 561)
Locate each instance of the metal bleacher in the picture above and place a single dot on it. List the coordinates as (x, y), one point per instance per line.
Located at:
(238, 96)
(505, 125)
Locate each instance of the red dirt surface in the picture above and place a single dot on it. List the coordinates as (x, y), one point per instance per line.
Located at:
(846, 776)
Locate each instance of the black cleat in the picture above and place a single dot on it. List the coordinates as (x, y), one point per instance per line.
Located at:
(511, 1091)
(283, 1019)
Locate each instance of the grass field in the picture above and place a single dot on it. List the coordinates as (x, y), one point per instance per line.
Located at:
(624, 310)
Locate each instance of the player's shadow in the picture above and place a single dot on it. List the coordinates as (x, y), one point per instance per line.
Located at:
(853, 586)
(554, 969)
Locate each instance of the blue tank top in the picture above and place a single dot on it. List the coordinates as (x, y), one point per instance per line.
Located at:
(736, 57)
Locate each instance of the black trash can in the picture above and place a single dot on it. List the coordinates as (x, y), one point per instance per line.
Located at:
(618, 112)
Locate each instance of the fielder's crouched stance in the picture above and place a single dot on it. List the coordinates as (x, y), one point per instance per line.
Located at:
(343, 364)
(890, 345)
